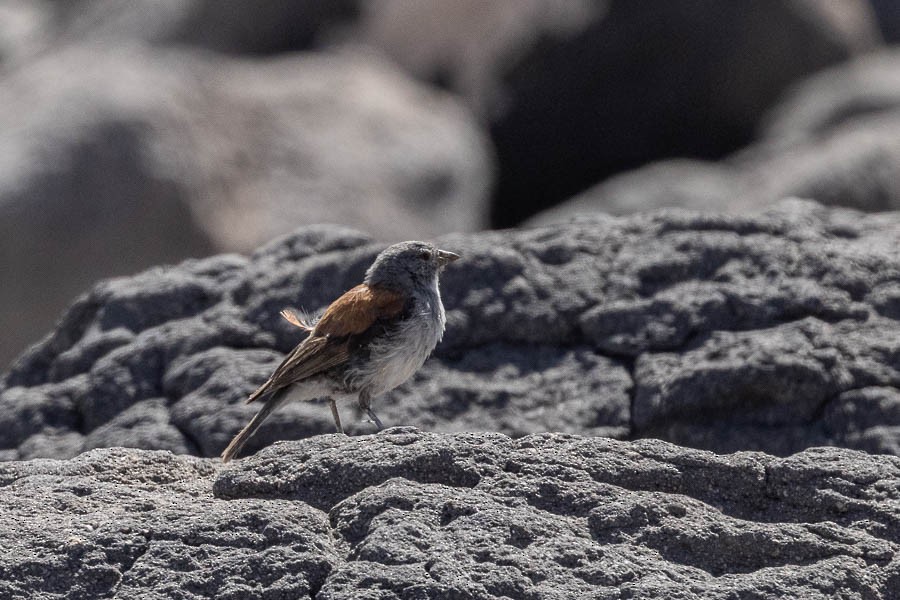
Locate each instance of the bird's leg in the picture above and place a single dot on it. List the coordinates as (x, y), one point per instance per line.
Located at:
(336, 415)
(374, 418)
(365, 403)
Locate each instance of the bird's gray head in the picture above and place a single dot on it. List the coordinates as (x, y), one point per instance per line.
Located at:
(408, 264)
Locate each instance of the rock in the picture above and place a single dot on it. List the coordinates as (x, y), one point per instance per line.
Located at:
(24, 29)
(467, 46)
(832, 139)
(411, 514)
(774, 332)
(826, 103)
(718, 386)
(135, 524)
(192, 153)
(567, 94)
(585, 106)
(888, 19)
(519, 390)
(570, 96)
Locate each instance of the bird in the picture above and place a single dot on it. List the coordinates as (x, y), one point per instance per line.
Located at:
(367, 342)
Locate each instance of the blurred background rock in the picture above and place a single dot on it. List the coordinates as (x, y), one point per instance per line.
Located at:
(136, 133)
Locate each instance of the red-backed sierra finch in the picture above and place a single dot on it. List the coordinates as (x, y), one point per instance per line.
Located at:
(367, 342)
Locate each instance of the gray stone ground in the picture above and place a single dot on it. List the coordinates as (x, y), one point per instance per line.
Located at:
(410, 514)
(773, 332)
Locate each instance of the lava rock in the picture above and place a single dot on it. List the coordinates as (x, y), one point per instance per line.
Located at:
(410, 514)
(134, 524)
(772, 332)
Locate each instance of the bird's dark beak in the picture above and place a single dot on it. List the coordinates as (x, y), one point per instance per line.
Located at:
(445, 258)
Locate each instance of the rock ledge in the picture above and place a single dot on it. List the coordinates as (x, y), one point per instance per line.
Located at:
(409, 514)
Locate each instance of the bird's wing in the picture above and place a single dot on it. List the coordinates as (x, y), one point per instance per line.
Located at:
(329, 343)
(358, 309)
(313, 355)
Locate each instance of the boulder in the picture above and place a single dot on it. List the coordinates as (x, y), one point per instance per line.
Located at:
(833, 138)
(576, 91)
(410, 514)
(645, 81)
(773, 332)
(115, 161)
(571, 92)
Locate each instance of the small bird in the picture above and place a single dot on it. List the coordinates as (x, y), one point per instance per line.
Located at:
(367, 342)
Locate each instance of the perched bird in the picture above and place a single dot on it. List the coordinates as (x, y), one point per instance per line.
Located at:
(367, 342)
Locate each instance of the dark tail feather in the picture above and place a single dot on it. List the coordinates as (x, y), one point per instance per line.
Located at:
(241, 438)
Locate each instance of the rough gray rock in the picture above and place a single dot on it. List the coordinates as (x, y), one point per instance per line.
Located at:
(133, 524)
(833, 138)
(191, 153)
(409, 514)
(775, 332)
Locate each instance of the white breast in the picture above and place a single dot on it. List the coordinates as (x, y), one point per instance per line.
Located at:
(394, 360)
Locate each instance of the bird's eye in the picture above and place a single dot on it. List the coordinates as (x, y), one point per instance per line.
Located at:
(425, 255)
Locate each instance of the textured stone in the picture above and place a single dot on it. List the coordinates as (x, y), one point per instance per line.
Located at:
(555, 516)
(774, 332)
(411, 514)
(135, 524)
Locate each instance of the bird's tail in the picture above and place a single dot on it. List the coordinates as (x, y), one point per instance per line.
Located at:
(272, 403)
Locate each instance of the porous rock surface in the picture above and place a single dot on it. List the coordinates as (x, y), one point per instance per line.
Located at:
(410, 514)
(773, 332)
